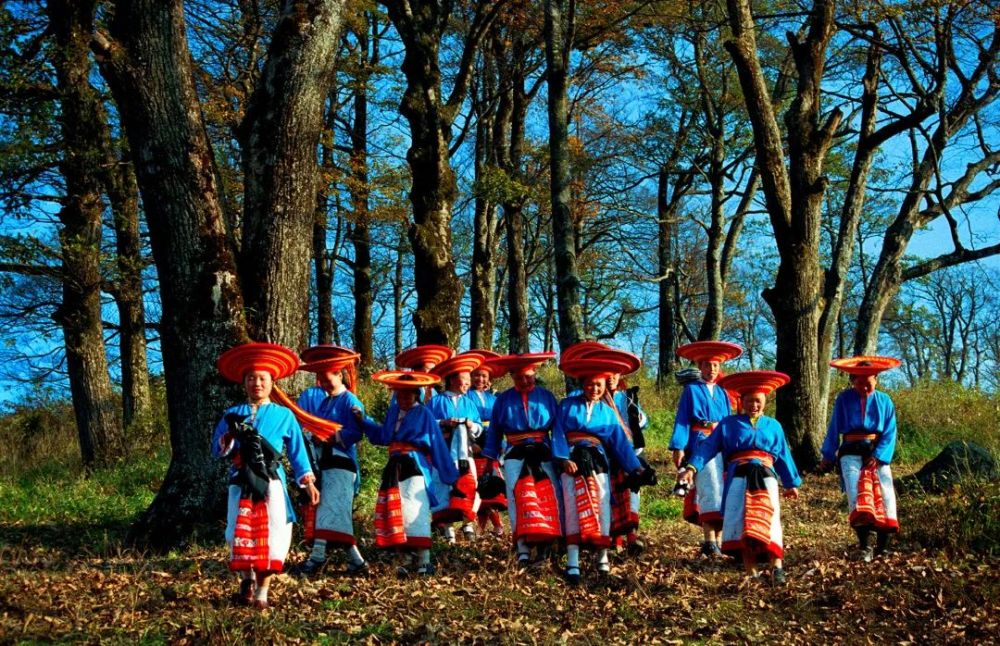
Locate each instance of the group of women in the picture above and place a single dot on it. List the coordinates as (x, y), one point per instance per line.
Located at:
(567, 472)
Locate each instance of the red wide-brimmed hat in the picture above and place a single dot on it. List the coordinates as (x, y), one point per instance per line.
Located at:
(405, 379)
(277, 360)
(754, 381)
(323, 358)
(865, 365)
(588, 367)
(709, 351)
(633, 362)
(518, 363)
(580, 349)
(465, 362)
(423, 354)
(487, 355)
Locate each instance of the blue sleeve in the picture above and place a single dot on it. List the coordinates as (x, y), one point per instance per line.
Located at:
(351, 433)
(832, 441)
(220, 430)
(622, 449)
(494, 432)
(441, 456)
(682, 422)
(784, 465)
(379, 434)
(560, 446)
(886, 446)
(298, 456)
(709, 447)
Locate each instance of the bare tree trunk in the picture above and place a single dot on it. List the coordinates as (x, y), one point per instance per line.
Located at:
(482, 316)
(81, 122)
(667, 224)
(364, 295)
(559, 19)
(148, 66)
(280, 134)
(794, 196)
(123, 193)
(397, 295)
(421, 25)
(322, 267)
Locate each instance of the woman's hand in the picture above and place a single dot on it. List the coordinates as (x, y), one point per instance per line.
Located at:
(570, 467)
(792, 493)
(678, 455)
(313, 494)
(685, 476)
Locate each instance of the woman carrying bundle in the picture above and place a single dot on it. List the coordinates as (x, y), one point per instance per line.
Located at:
(254, 434)
(523, 416)
(861, 438)
(416, 445)
(755, 454)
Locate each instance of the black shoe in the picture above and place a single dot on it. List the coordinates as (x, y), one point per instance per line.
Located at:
(636, 547)
(357, 569)
(572, 576)
(778, 578)
(426, 570)
(309, 567)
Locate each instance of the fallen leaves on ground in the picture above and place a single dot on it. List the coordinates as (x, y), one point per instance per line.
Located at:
(665, 596)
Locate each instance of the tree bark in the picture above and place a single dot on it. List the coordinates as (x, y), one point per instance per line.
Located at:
(666, 275)
(148, 67)
(482, 316)
(81, 124)
(123, 193)
(364, 295)
(280, 134)
(421, 25)
(794, 196)
(558, 30)
(322, 267)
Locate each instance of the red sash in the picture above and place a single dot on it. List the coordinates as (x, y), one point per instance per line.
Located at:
(250, 549)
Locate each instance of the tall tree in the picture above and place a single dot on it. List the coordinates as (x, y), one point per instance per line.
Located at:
(964, 81)
(279, 135)
(81, 122)
(146, 61)
(794, 198)
(422, 24)
(559, 29)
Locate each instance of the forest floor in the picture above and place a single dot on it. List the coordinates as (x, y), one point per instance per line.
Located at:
(54, 587)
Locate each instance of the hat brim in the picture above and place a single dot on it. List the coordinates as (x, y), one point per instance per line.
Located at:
(405, 379)
(709, 351)
(518, 363)
(327, 352)
(864, 365)
(633, 362)
(330, 365)
(272, 358)
(422, 355)
(580, 349)
(587, 367)
(465, 362)
(754, 381)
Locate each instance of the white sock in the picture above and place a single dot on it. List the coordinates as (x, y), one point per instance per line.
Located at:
(523, 551)
(423, 557)
(318, 550)
(449, 533)
(260, 594)
(573, 556)
(353, 555)
(603, 564)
